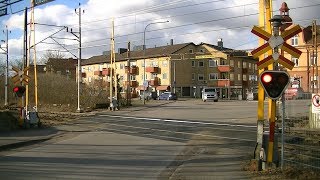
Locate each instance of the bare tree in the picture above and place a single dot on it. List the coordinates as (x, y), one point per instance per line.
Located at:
(50, 54)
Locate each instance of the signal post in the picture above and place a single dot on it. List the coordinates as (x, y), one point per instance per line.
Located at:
(273, 82)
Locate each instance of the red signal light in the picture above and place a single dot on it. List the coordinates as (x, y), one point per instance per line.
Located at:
(19, 90)
(274, 83)
(267, 78)
(15, 89)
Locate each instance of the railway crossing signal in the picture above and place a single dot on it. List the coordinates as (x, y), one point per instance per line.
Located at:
(276, 41)
(19, 90)
(274, 83)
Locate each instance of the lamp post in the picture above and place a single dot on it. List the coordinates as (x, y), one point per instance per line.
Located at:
(144, 59)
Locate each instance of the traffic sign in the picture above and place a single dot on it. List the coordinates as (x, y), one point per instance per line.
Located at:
(273, 42)
(21, 76)
(315, 103)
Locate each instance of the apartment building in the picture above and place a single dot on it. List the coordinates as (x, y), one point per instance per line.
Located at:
(306, 71)
(181, 68)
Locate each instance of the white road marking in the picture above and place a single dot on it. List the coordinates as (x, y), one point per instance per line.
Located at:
(179, 121)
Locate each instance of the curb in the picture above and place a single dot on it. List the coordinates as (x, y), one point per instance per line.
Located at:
(26, 142)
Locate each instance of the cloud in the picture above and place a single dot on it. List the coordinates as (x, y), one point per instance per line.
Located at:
(190, 21)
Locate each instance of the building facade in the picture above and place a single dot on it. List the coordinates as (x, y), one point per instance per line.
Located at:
(181, 68)
(305, 73)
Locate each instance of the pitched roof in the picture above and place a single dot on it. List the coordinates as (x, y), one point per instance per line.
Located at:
(228, 51)
(150, 52)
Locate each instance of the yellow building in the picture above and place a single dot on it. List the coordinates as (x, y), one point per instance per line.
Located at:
(181, 68)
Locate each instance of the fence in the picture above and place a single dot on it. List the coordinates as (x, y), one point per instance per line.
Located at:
(301, 138)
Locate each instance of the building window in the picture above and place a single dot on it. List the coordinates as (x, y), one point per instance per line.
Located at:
(239, 64)
(202, 50)
(239, 77)
(294, 40)
(100, 67)
(213, 63)
(224, 75)
(313, 59)
(132, 77)
(121, 66)
(190, 50)
(153, 76)
(164, 76)
(200, 77)
(223, 62)
(154, 64)
(193, 63)
(295, 60)
(200, 64)
(244, 64)
(231, 63)
(133, 64)
(244, 77)
(142, 64)
(165, 63)
(213, 76)
(231, 77)
(193, 76)
(249, 64)
(145, 76)
(89, 79)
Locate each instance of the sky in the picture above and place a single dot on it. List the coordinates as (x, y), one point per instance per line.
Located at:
(189, 21)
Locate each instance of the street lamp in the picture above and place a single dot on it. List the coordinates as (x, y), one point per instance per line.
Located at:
(144, 59)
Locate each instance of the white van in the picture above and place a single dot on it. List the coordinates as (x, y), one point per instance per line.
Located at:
(209, 93)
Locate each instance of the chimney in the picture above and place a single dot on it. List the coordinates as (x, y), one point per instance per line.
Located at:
(220, 43)
(171, 42)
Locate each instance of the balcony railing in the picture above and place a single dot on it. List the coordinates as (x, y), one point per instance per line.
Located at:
(223, 82)
(132, 83)
(97, 73)
(152, 69)
(105, 72)
(224, 68)
(132, 69)
(155, 81)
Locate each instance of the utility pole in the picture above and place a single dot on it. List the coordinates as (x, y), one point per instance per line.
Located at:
(79, 53)
(265, 9)
(315, 52)
(128, 77)
(112, 65)
(6, 50)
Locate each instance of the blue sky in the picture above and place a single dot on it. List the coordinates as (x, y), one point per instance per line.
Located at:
(190, 21)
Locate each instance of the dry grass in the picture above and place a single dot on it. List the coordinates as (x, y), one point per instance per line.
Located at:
(58, 92)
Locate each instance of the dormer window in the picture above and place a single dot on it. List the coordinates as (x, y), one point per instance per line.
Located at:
(294, 40)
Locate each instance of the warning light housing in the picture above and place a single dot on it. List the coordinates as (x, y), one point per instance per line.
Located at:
(19, 90)
(274, 83)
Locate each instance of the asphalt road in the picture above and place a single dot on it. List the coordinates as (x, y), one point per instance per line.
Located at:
(178, 140)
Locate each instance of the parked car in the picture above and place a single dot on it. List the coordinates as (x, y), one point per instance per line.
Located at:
(148, 95)
(168, 96)
(209, 94)
(293, 93)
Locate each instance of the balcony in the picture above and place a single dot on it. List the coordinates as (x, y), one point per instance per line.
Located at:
(105, 72)
(132, 83)
(223, 82)
(132, 70)
(155, 82)
(97, 73)
(224, 68)
(152, 69)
